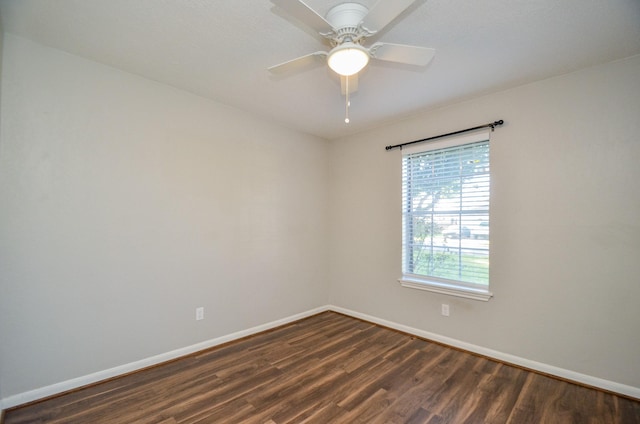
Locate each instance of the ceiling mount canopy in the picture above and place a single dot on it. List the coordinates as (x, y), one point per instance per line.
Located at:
(345, 17)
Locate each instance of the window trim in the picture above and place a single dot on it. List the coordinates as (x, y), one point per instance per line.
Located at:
(434, 284)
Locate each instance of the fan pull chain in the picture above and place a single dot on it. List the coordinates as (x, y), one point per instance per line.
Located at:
(347, 103)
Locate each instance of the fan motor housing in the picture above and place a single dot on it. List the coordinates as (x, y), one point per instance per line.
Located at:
(345, 19)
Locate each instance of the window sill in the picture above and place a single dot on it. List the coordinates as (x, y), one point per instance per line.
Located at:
(445, 288)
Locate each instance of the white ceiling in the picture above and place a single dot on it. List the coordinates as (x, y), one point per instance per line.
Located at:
(221, 49)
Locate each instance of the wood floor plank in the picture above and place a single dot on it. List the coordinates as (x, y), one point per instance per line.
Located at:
(420, 416)
(498, 394)
(327, 414)
(367, 410)
(330, 368)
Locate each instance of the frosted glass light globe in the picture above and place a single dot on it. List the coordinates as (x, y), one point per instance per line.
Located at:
(348, 59)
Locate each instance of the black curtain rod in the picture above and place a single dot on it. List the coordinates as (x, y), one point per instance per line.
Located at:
(492, 125)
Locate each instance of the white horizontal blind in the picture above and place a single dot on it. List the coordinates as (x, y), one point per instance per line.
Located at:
(445, 203)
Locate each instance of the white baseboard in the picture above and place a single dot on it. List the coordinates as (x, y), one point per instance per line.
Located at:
(588, 380)
(75, 383)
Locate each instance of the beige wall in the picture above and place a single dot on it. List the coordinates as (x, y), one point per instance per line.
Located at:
(126, 204)
(565, 224)
(1, 55)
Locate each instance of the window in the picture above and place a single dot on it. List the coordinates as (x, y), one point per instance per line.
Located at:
(445, 216)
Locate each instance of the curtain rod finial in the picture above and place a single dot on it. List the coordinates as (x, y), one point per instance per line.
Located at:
(495, 124)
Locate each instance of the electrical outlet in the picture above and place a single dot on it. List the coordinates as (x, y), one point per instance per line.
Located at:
(445, 310)
(199, 313)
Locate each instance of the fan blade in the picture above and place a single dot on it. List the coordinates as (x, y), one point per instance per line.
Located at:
(299, 10)
(352, 83)
(400, 53)
(299, 62)
(383, 12)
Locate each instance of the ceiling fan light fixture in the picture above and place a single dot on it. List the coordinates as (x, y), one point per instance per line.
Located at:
(348, 58)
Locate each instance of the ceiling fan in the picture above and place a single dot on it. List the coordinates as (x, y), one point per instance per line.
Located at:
(346, 27)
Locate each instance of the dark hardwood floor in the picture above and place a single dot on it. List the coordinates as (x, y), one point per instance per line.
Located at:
(330, 368)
